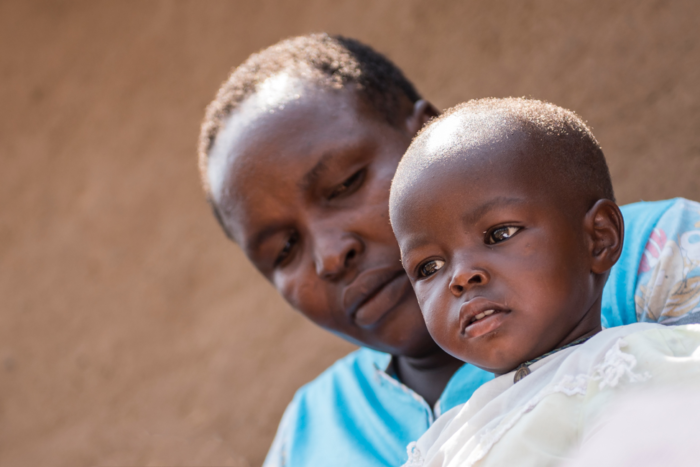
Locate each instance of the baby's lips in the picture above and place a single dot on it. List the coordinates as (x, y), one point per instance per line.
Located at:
(486, 324)
(475, 307)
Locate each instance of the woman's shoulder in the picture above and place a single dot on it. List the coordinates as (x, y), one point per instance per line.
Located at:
(347, 373)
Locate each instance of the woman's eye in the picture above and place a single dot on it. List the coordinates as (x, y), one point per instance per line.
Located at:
(287, 249)
(501, 234)
(349, 185)
(430, 268)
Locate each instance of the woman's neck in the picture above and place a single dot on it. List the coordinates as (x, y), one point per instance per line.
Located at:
(427, 375)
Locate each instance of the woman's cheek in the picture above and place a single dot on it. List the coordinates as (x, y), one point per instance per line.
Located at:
(305, 296)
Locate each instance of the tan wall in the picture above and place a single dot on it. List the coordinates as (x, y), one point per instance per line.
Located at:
(131, 331)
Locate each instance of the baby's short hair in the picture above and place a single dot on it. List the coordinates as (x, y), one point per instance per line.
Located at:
(563, 140)
(330, 61)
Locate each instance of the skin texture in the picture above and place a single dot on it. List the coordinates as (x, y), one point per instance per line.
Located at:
(302, 185)
(484, 230)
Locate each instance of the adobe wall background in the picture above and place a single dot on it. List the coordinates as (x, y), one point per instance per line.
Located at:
(132, 332)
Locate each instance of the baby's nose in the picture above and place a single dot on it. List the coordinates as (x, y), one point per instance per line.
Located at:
(463, 280)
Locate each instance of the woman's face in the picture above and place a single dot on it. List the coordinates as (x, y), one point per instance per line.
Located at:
(301, 179)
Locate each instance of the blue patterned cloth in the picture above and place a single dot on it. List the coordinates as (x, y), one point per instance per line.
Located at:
(356, 414)
(668, 278)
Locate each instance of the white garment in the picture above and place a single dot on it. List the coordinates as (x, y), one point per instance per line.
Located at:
(544, 418)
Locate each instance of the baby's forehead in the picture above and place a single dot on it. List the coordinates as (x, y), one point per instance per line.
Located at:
(457, 144)
(459, 133)
(493, 122)
(461, 141)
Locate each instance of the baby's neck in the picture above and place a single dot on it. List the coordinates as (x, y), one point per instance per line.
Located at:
(577, 341)
(524, 368)
(588, 326)
(584, 329)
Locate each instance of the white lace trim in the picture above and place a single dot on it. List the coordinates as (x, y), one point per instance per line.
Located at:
(572, 386)
(609, 372)
(616, 365)
(415, 459)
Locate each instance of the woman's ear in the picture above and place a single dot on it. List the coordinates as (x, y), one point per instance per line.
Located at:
(421, 113)
(605, 228)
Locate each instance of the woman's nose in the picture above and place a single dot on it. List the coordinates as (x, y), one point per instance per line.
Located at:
(335, 254)
(467, 278)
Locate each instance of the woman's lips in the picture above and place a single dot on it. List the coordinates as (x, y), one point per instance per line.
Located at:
(373, 294)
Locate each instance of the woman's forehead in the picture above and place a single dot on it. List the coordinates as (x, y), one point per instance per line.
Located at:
(255, 135)
(261, 170)
(297, 134)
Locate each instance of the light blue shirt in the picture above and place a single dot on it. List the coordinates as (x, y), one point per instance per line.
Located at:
(356, 414)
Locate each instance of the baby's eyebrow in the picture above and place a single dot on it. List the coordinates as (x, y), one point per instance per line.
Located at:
(408, 246)
(473, 216)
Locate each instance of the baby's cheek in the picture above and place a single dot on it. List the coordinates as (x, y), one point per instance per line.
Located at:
(436, 315)
(420, 296)
(426, 298)
(432, 322)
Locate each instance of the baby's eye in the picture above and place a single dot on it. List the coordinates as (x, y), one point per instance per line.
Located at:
(501, 234)
(430, 268)
(287, 249)
(349, 185)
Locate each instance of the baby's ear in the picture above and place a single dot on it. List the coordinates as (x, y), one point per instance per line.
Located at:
(605, 228)
(421, 113)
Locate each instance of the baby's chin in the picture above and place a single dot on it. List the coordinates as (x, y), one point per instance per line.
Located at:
(497, 369)
(500, 362)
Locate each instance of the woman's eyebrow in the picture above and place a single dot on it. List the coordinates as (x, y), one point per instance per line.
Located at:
(473, 216)
(261, 237)
(311, 177)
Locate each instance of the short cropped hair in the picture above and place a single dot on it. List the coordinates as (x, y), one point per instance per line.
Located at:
(331, 61)
(563, 140)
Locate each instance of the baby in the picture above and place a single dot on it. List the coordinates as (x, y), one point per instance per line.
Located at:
(505, 215)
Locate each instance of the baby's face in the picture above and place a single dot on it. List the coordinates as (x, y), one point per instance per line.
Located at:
(500, 268)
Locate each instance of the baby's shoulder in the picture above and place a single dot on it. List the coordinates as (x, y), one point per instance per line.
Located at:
(622, 357)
